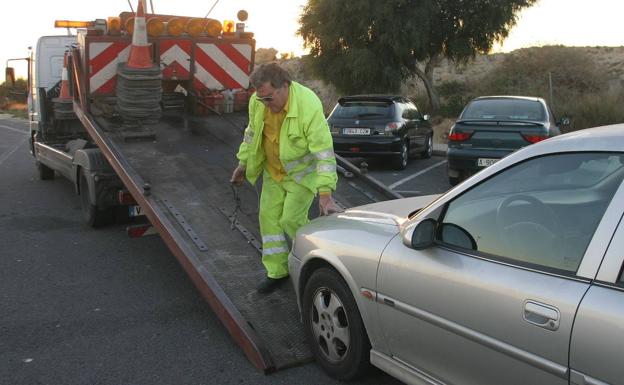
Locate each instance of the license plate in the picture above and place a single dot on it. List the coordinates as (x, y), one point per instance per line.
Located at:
(356, 131)
(486, 162)
(135, 211)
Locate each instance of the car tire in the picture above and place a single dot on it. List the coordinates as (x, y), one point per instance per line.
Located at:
(334, 327)
(45, 172)
(400, 160)
(428, 151)
(93, 216)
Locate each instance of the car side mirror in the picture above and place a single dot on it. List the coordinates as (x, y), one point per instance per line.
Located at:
(422, 235)
(455, 235)
(426, 117)
(565, 121)
(9, 77)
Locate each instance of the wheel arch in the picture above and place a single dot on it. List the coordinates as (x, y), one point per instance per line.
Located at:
(318, 260)
(92, 161)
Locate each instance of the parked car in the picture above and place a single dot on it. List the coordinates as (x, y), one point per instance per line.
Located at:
(512, 277)
(491, 127)
(380, 126)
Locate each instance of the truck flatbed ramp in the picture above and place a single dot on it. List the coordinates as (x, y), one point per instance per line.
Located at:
(181, 181)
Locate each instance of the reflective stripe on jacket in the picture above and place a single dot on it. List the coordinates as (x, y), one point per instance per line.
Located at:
(305, 145)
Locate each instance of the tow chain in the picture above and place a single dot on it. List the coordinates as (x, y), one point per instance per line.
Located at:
(237, 205)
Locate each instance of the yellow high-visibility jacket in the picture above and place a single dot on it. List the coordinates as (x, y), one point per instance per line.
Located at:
(305, 147)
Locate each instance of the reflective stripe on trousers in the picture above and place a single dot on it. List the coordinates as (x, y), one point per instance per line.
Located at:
(283, 209)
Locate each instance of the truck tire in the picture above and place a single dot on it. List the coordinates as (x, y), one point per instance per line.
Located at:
(93, 216)
(45, 172)
(329, 306)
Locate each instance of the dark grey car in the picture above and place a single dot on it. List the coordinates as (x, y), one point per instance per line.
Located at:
(380, 126)
(491, 127)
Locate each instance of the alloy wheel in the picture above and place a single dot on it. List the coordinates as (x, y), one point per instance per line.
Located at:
(330, 325)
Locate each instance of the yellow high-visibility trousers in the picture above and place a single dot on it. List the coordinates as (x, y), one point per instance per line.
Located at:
(284, 208)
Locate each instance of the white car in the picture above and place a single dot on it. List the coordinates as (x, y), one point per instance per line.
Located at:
(512, 277)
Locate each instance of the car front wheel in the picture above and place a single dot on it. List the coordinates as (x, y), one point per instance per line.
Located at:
(334, 327)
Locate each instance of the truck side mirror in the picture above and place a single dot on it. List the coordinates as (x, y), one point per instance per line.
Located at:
(9, 77)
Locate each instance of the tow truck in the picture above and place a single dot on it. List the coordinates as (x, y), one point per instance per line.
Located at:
(172, 164)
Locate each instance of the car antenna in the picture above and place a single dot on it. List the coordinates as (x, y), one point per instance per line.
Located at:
(211, 8)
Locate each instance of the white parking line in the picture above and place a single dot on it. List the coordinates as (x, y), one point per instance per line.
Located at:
(6, 155)
(14, 129)
(419, 173)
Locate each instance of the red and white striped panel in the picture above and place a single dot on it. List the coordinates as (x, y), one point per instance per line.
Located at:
(221, 66)
(103, 60)
(175, 59)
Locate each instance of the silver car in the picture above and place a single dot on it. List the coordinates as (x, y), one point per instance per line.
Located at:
(512, 277)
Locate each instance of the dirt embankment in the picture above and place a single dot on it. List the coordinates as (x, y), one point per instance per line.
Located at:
(611, 59)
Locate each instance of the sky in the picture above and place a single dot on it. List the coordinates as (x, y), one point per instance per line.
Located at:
(274, 22)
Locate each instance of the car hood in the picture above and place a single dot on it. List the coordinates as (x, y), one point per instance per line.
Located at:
(361, 232)
(383, 217)
(394, 212)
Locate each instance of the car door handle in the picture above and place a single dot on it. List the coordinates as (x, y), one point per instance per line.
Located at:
(541, 314)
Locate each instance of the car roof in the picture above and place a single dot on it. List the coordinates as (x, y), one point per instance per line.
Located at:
(372, 97)
(530, 98)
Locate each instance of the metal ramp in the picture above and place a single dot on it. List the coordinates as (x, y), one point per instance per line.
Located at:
(181, 180)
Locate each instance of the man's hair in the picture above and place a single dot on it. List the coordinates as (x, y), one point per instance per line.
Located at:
(270, 73)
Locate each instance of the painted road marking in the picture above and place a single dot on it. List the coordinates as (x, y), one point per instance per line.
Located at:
(406, 179)
(6, 155)
(14, 129)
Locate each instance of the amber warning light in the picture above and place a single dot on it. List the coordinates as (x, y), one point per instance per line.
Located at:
(72, 24)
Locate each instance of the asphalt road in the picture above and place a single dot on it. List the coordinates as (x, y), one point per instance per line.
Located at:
(84, 306)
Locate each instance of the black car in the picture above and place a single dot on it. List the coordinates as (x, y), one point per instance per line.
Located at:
(380, 126)
(491, 127)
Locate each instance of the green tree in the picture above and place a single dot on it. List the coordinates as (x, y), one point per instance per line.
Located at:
(372, 46)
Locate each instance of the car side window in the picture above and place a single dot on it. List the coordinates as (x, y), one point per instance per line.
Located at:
(542, 212)
(417, 114)
(404, 110)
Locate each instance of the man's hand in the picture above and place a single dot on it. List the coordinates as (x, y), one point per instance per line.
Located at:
(327, 205)
(238, 176)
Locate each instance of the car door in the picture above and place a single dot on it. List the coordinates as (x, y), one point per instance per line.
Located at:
(422, 126)
(500, 308)
(597, 344)
(408, 121)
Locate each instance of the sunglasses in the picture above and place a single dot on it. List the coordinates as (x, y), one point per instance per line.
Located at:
(266, 99)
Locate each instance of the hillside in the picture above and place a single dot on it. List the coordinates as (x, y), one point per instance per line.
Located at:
(581, 75)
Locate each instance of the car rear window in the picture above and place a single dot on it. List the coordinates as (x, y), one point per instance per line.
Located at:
(362, 110)
(504, 109)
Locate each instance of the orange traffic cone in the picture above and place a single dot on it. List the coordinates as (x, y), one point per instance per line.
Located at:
(141, 50)
(64, 95)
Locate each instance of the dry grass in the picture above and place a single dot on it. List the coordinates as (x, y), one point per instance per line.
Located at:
(18, 110)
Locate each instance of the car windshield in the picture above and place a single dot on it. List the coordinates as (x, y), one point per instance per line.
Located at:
(504, 109)
(565, 172)
(362, 110)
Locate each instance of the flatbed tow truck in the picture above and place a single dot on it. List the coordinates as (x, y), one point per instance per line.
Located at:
(178, 174)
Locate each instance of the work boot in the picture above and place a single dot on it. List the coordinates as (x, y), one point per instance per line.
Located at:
(270, 284)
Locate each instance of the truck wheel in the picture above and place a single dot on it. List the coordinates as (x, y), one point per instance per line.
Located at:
(93, 216)
(45, 172)
(334, 327)
(400, 161)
